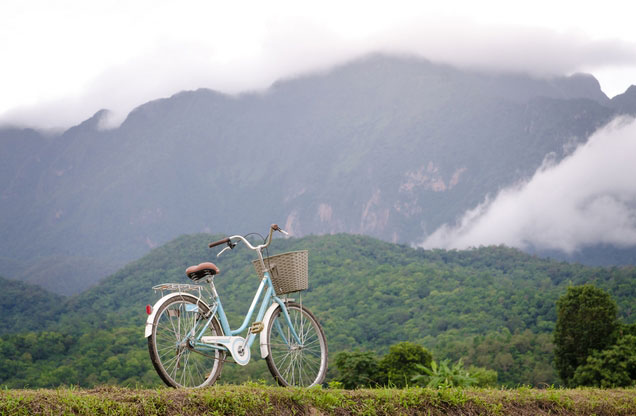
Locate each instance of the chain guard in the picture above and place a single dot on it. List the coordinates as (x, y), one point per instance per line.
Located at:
(234, 345)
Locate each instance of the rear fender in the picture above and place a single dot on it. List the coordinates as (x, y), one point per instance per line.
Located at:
(157, 305)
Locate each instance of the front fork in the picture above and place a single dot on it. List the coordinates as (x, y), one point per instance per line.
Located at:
(289, 323)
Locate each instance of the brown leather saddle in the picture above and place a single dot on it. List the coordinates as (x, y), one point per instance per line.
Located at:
(202, 270)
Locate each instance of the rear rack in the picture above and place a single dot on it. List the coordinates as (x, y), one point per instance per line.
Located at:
(178, 287)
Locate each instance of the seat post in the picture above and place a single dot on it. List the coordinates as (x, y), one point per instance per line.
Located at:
(210, 280)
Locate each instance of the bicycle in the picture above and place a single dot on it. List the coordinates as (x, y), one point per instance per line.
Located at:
(189, 339)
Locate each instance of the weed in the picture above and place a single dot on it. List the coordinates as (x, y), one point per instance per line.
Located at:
(255, 399)
(11, 404)
(336, 385)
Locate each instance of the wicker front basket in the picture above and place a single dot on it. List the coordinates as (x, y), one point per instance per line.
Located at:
(289, 271)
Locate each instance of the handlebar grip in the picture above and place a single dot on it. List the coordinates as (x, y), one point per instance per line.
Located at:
(218, 243)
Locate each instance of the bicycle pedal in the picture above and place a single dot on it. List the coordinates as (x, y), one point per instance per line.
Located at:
(257, 327)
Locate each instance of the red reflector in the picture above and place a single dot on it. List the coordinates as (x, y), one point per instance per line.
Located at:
(148, 309)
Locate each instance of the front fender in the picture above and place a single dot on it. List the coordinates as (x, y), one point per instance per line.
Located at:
(151, 318)
(266, 319)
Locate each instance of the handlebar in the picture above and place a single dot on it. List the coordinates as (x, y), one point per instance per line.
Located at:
(228, 241)
(218, 243)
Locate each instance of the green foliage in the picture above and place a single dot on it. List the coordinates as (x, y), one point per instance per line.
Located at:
(46, 359)
(408, 364)
(253, 399)
(483, 376)
(607, 346)
(627, 329)
(398, 367)
(444, 375)
(612, 367)
(493, 307)
(587, 321)
(357, 369)
(25, 307)
(519, 358)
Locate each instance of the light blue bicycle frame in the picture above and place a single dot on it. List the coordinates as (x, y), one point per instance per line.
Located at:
(217, 309)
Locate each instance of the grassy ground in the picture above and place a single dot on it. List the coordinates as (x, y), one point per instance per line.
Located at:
(261, 400)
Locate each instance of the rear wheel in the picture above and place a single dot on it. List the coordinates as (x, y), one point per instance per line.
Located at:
(171, 344)
(293, 363)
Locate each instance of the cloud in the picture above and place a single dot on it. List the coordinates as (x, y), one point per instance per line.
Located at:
(588, 198)
(171, 66)
(534, 50)
(159, 51)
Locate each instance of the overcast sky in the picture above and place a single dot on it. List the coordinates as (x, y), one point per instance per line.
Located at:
(64, 60)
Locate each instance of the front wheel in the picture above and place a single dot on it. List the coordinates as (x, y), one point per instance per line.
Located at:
(294, 363)
(178, 361)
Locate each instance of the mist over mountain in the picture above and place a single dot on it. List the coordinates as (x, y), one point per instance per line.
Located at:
(389, 146)
(585, 200)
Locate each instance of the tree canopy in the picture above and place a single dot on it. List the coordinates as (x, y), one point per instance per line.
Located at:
(586, 321)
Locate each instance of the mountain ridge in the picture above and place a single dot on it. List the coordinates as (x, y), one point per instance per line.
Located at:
(388, 146)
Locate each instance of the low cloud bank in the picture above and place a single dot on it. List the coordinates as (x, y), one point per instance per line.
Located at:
(588, 198)
(256, 53)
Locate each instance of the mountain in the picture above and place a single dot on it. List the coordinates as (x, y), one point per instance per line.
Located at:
(494, 307)
(25, 307)
(626, 102)
(387, 146)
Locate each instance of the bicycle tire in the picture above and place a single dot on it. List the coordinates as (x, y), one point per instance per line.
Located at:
(292, 364)
(186, 367)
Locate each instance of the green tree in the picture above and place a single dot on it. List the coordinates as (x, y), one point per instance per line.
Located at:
(586, 321)
(401, 363)
(612, 367)
(357, 369)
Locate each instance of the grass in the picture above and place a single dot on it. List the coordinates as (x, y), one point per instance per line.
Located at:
(254, 399)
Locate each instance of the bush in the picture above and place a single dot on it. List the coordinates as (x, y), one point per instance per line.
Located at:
(357, 369)
(612, 367)
(483, 376)
(398, 367)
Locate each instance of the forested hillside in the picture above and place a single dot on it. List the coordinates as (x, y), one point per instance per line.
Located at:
(494, 307)
(25, 307)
